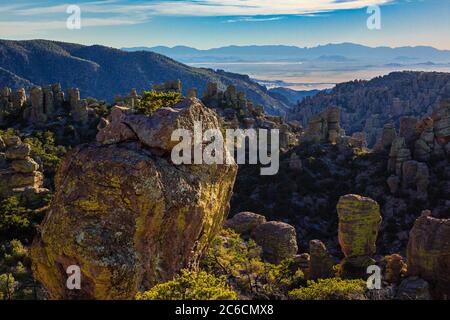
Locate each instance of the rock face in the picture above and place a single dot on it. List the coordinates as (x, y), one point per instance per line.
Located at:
(413, 288)
(388, 136)
(127, 216)
(277, 239)
(428, 252)
(320, 263)
(324, 126)
(359, 222)
(245, 222)
(369, 105)
(395, 268)
(441, 119)
(18, 171)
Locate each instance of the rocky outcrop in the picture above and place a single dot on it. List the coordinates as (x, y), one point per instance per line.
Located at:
(245, 222)
(320, 263)
(78, 107)
(324, 127)
(428, 252)
(413, 288)
(441, 118)
(278, 240)
(368, 105)
(126, 215)
(18, 171)
(11, 103)
(394, 267)
(169, 86)
(388, 135)
(359, 222)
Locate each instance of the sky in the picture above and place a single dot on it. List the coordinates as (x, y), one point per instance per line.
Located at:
(215, 23)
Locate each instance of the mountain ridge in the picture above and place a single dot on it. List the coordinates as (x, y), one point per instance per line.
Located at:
(347, 49)
(104, 72)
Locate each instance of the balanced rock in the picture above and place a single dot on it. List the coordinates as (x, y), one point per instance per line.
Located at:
(359, 222)
(128, 217)
(428, 252)
(245, 222)
(278, 240)
(320, 263)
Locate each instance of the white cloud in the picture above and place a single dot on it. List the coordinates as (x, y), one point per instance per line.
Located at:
(204, 7)
(250, 19)
(31, 18)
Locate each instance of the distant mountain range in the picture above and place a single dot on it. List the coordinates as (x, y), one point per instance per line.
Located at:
(104, 72)
(331, 52)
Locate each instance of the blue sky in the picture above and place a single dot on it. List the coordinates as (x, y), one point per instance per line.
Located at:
(213, 23)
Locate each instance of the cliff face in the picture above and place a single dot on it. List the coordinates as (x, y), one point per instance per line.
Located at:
(125, 214)
(368, 105)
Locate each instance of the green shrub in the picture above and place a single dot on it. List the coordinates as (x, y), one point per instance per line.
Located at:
(191, 286)
(330, 289)
(7, 286)
(43, 147)
(240, 261)
(152, 101)
(14, 218)
(229, 255)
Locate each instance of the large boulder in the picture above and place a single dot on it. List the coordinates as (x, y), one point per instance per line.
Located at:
(127, 216)
(245, 222)
(359, 222)
(278, 240)
(428, 252)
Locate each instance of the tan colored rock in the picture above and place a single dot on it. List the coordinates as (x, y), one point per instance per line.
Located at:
(388, 135)
(398, 154)
(321, 263)
(37, 114)
(113, 130)
(2, 144)
(27, 165)
(12, 141)
(244, 223)
(19, 99)
(129, 218)
(278, 240)
(428, 252)
(20, 151)
(395, 268)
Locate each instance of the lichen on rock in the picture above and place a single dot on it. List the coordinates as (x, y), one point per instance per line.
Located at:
(126, 215)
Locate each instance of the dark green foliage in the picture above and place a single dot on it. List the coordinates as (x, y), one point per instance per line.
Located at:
(152, 101)
(240, 261)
